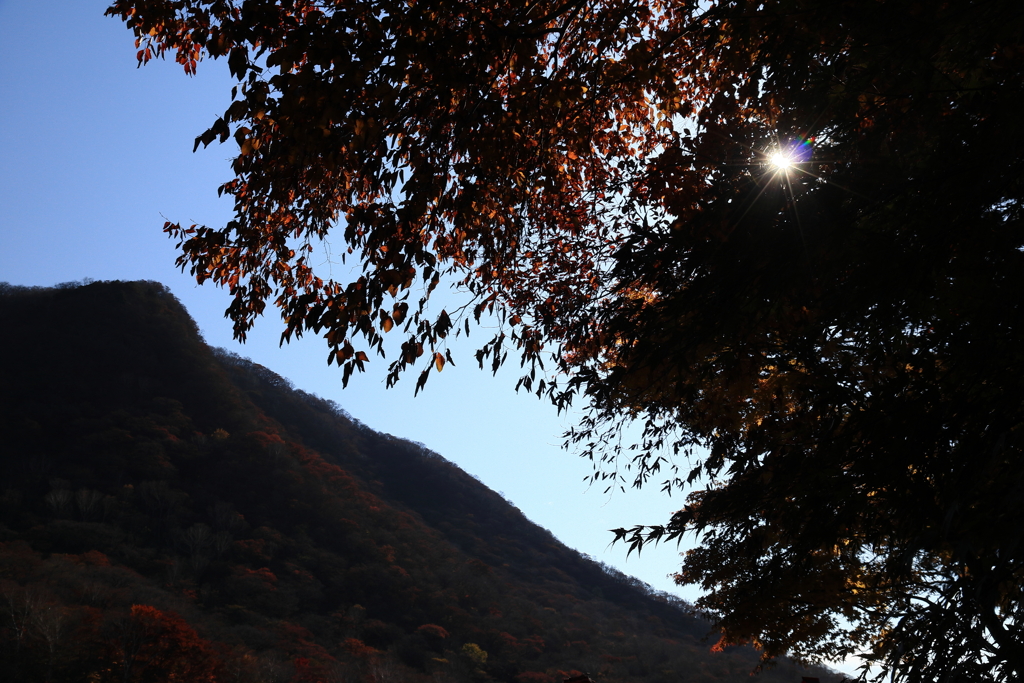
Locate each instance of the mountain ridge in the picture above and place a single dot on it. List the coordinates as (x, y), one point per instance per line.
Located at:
(154, 473)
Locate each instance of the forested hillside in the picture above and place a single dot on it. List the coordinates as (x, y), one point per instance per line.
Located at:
(171, 512)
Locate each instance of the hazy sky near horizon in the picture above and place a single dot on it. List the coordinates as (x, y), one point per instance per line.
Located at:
(97, 153)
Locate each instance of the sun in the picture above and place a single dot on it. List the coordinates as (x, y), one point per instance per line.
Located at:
(781, 161)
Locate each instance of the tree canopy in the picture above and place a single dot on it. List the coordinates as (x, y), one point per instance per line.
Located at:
(787, 232)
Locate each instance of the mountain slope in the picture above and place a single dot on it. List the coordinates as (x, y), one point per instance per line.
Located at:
(172, 512)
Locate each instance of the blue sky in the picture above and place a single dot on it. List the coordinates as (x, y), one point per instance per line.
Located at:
(96, 153)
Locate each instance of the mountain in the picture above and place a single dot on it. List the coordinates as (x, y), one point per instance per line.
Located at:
(172, 512)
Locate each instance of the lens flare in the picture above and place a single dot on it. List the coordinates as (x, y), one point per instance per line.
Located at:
(789, 156)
